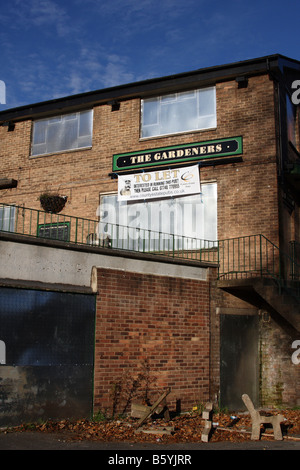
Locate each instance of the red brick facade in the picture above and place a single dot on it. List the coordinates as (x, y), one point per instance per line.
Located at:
(168, 327)
(152, 333)
(251, 207)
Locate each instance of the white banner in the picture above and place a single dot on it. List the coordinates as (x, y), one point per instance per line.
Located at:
(159, 184)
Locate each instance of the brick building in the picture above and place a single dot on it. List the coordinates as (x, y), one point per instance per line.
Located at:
(202, 167)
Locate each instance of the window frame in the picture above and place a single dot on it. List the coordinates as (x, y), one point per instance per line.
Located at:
(11, 219)
(105, 225)
(59, 118)
(167, 98)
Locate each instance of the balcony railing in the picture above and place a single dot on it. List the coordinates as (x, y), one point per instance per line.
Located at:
(247, 256)
(81, 231)
(256, 256)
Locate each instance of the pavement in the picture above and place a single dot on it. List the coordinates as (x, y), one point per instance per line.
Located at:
(31, 440)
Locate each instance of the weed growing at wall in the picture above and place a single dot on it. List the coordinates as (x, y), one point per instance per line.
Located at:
(132, 386)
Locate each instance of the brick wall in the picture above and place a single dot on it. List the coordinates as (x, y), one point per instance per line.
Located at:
(152, 332)
(247, 191)
(280, 377)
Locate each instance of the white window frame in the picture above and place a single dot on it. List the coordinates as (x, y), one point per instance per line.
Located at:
(187, 218)
(191, 118)
(54, 134)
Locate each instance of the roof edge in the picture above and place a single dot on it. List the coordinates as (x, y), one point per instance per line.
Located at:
(133, 89)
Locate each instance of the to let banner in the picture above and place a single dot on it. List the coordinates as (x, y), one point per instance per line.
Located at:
(159, 184)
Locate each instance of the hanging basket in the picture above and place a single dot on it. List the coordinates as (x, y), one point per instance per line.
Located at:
(52, 202)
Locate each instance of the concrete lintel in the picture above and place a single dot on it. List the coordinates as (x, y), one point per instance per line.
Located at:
(36, 285)
(236, 311)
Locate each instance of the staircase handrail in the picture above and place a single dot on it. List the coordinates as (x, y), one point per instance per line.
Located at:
(257, 256)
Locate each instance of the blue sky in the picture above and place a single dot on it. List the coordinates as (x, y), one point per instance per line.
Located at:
(52, 48)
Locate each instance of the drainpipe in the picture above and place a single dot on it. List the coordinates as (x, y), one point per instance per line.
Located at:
(279, 143)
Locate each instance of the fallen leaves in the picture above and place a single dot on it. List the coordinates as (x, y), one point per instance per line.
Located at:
(185, 428)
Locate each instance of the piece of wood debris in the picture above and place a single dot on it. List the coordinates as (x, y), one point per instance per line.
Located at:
(164, 430)
(207, 416)
(152, 409)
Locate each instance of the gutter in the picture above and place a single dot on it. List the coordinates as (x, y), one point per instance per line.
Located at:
(186, 80)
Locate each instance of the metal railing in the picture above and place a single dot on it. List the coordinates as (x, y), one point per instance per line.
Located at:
(256, 256)
(77, 230)
(247, 256)
(294, 253)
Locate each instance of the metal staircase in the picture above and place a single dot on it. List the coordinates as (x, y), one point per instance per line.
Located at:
(253, 269)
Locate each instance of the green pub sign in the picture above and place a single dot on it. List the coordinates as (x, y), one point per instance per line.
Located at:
(179, 153)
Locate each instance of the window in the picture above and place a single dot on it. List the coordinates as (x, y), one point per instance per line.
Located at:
(179, 112)
(188, 218)
(59, 133)
(7, 218)
(55, 231)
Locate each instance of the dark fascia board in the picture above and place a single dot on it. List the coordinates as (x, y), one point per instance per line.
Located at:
(200, 77)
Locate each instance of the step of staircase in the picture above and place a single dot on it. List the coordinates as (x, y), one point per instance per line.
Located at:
(281, 301)
(266, 293)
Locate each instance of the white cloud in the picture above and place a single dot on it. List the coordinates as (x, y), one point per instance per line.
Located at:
(51, 48)
(42, 14)
(116, 74)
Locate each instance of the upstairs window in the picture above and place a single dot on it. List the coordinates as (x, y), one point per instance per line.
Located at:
(179, 112)
(60, 133)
